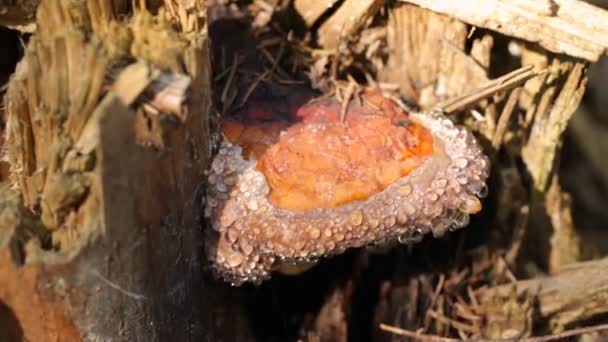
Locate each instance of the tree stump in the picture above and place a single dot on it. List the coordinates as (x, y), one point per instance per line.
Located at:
(108, 140)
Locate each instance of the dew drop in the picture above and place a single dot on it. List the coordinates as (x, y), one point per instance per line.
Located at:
(461, 163)
(314, 233)
(440, 182)
(462, 180)
(218, 165)
(232, 235)
(230, 181)
(439, 229)
(246, 247)
(408, 209)
(212, 202)
(221, 187)
(405, 190)
(470, 205)
(299, 245)
(431, 197)
(356, 217)
(403, 238)
(483, 191)
(331, 245)
(234, 259)
(401, 217)
(252, 204)
(461, 220)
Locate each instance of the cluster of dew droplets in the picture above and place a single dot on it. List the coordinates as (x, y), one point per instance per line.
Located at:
(457, 187)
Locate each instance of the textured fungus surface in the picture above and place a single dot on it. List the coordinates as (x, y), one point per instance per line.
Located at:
(291, 186)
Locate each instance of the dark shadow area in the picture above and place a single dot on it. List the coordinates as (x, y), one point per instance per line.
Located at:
(10, 328)
(12, 51)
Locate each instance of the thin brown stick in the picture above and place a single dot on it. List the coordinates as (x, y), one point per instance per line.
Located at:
(545, 338)
(436, 293)
(252, 87)
(235, 64)
(505, 118)
(506, 82)
(348, 94)
(450, 322)
(568, 333)
(415, 335)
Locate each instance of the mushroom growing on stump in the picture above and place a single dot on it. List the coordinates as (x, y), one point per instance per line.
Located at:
(295, 183)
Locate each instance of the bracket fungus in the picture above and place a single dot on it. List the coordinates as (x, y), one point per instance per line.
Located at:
(290, 186)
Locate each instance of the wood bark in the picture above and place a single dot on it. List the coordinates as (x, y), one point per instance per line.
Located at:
(577, 293)
(558, 25)
(108, 139)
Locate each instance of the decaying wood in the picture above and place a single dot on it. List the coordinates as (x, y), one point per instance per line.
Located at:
(311, 11)
(558, 94)
(550, 122)
(426, 52)
(351, 16)
(19, 15)
(576, 293)
(107, 243)
(574, 28)
(565, 241)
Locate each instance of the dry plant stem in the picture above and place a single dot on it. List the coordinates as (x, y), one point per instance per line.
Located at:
(503, 83)
(505, 118)
(415, 335)
(569, 333)
(553, 337)
(562, 26)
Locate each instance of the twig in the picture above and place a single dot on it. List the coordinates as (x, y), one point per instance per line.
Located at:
(235, 63)
(568, 333)
(545, 338)
(415, 335)
(252, 87)
(451, 322)
(436, 294)
(117, 287)
(506, 82)
(349, 92)
(505, 118)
